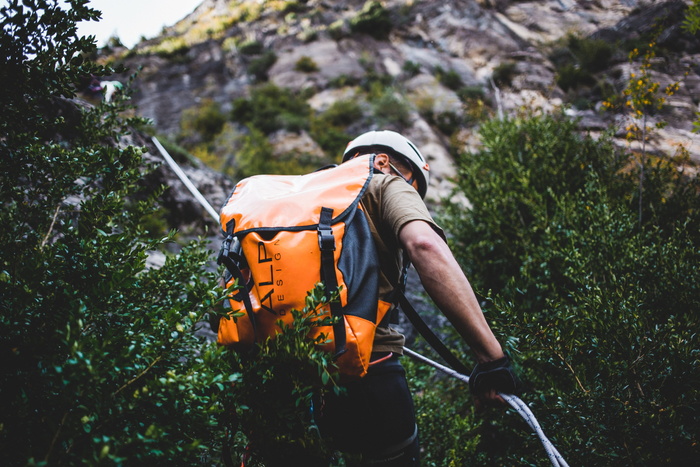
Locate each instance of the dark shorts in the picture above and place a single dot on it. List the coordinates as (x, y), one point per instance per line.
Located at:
(374, 417)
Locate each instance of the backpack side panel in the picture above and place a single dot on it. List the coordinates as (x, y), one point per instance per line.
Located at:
(360, 269)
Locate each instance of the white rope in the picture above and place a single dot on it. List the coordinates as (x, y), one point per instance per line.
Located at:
(185, 179)
(515, 402)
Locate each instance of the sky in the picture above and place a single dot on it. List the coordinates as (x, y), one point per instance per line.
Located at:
(131, 19)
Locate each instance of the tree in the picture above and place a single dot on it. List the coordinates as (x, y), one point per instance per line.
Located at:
(100, 361)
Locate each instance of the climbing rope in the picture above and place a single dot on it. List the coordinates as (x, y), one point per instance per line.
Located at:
(185, 179)
(515, 402)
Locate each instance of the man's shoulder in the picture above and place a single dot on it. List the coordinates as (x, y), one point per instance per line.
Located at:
(383, 185)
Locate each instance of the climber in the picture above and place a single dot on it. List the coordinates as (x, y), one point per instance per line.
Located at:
(375, 417)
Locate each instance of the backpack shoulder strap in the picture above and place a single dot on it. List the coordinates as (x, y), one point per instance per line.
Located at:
(428, 334)
(326, 242)
(420, 324)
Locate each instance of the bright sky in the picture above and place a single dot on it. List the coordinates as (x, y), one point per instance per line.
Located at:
(131, 19)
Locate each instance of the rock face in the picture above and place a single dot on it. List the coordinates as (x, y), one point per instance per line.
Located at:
(501, 50)
(204, 57)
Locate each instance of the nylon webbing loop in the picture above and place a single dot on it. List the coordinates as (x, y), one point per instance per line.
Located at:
(326, 242)
(231, 260)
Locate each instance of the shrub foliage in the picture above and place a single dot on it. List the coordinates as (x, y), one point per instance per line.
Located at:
(100, 361)
(599, 304)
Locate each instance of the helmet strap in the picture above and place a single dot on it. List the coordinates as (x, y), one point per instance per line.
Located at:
(398, 172)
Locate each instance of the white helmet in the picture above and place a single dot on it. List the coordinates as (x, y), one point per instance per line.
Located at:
(393, 144)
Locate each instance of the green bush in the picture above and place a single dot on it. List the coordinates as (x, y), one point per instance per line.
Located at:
(259, 66)
(691, 23)
(172, 48)
(504, 73)
(272, 400)
(270, 108)
(101, 364)
(293, 7)
(573, 77)
(256, 155)
(579, 60)
(306, 65)
(251, 47)
(391, 109)
(447, 122)
(337, 30)
(470, 93)
(373, 20)
(522, 151)
(207, 119)
(450, 78)
(343, 113)
(375, 84)
(599, 304)
(448, 427)
(342, 81)
(329, 128)
(332, 139)
(411, 68)
(592, 55)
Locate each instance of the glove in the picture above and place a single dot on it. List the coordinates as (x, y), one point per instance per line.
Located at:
(496, 374)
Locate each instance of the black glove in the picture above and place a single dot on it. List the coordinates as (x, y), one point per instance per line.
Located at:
(496, 374)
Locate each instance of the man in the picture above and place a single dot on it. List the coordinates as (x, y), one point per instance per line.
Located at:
(375, 417)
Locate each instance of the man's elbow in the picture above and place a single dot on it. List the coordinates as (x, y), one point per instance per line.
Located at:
(420, 240)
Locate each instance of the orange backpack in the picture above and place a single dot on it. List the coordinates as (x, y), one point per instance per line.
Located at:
(284, 234)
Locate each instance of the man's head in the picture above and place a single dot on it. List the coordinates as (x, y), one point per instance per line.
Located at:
(396, 155)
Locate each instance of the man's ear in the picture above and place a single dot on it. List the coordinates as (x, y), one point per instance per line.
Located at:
(381, 161)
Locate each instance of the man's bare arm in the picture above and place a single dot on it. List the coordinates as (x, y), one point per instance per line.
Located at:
(447, 285)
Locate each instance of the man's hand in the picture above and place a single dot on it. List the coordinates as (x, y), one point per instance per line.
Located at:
(490, 378)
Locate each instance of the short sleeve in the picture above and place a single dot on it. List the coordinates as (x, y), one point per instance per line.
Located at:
(401, 204)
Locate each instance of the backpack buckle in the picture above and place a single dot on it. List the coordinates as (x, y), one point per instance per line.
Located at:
(225, 249)
(326, 240)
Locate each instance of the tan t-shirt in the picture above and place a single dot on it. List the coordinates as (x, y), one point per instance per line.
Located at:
(390, 203)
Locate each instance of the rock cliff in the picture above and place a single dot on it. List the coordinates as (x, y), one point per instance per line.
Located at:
(509, 54)
(446, 65)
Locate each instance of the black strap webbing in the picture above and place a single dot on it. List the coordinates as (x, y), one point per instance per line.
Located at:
(230, 260)
(427, 333)
(326, 243)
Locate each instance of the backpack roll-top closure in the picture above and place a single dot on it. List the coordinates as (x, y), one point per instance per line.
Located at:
(283, 201)
(296, 231)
